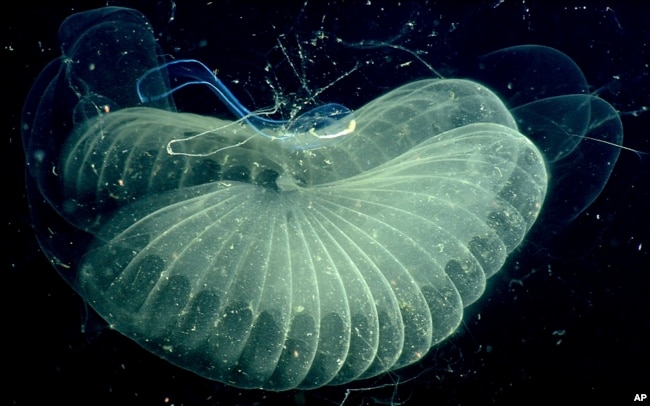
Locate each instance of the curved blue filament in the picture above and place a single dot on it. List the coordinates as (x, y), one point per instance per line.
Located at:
(184, 72)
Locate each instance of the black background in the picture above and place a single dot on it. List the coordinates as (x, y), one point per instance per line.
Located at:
(576, 325)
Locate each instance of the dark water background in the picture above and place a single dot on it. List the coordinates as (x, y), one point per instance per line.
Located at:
(567, 319)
